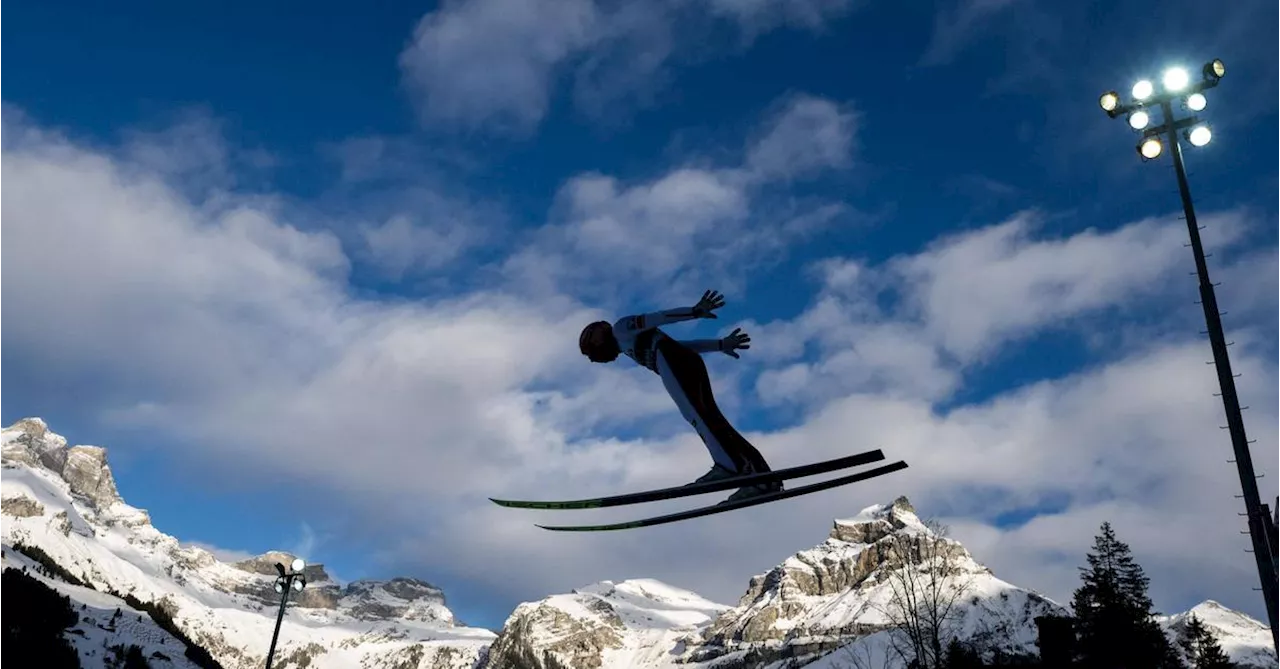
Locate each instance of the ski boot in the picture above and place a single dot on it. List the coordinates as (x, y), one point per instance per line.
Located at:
(716, 473)
(747, 492)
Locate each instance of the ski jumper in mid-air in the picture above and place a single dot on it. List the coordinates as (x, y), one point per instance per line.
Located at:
(684, 374)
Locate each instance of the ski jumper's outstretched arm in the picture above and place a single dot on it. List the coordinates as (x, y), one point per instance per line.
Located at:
(702, 345)
(710, 301)
(727, 345)
(666, 317)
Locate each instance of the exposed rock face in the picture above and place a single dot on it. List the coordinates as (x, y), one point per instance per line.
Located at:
(846, 571)
(544, 636)
(21, 506)
(87, 471)
(33, 445)
(634, 623)
(406, 598)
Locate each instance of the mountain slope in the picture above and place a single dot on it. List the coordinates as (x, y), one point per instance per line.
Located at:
(100, 627)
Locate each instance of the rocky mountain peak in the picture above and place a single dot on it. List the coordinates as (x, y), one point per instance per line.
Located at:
(403, 598)
(84, 468)
(847, 574)
(265, 565)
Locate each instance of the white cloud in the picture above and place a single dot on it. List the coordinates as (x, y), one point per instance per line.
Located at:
(496, 64)
(479, 62)
(980, 289)
(806, 135)
(399, 245)
(695, 223)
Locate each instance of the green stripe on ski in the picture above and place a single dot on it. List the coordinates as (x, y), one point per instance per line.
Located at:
(698, 488)
(732, 506)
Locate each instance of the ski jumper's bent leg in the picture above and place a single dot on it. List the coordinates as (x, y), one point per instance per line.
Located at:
(685, 376)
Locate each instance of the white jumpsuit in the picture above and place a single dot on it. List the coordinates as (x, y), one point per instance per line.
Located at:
(684, 375)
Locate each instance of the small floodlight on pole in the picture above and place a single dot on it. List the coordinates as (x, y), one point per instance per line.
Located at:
(286, 581)
(1143, 90)
(1178, 86)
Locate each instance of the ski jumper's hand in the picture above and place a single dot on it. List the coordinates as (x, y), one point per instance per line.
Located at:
(733, 341)
(710, 300)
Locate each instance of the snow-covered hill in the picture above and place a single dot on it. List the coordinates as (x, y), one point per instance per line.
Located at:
(1246, 640)
(825, 606)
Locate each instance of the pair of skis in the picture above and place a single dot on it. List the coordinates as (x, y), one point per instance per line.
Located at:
(714, 486)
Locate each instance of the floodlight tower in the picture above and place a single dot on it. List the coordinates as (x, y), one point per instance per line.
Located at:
(1178, 87)
(286, 581)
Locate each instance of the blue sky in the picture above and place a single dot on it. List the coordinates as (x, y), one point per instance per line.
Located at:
(314, 274)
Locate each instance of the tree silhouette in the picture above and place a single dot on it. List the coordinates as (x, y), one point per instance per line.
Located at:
(1201, 647)
(35, 617)
(1113, 612)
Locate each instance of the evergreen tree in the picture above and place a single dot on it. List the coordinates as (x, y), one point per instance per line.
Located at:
(1201, 646)
(35, 619)
(1113, 612)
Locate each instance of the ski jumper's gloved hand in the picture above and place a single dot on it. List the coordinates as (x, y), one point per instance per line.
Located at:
(733, 341)
(710, 300)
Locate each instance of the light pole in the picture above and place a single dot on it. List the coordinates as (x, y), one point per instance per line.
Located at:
(286, 581)
(1177, 86)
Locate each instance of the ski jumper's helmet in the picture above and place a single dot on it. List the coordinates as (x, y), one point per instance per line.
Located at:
(589, 344)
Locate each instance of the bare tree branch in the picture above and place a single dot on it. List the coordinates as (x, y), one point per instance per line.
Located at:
(927, 580)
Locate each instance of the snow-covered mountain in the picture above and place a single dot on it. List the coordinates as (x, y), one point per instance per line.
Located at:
(807, 607)
(63, 501)
(1246, 640)
(825, 606)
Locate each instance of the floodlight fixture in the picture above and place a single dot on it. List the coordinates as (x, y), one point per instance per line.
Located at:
(1109, 101)
(298, 564)
(1143, 90)
(1197, 102)
(1150, 148)
(279, 586)
(1139, 119)
(299, 585)
(1199, 135)
(1214, 69)
(1175, 79)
